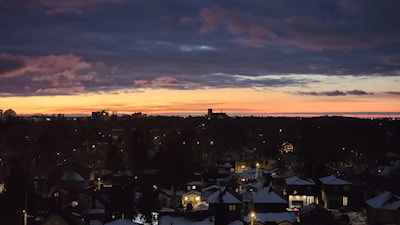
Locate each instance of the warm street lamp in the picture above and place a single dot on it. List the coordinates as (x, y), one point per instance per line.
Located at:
(252, 217)
(257, 166)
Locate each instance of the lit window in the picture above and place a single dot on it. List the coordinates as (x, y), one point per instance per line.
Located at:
(197, 198)
(186, 198)
(345, 200)
(309, 200)
(193, 187)
(232, 207)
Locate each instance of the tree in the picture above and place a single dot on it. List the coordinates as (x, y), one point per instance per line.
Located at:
(9, 114)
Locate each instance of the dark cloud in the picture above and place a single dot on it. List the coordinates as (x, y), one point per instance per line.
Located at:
(302, 31)
(9, 64)
(393, 92)
(335, 93)
(324, 93)
(236, 43)
(358, 92)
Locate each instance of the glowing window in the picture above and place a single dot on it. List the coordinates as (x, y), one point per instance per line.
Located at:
(345, 200)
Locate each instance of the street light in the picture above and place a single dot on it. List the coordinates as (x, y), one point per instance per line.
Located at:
(252, 217)
(98, 184)
(257, 166)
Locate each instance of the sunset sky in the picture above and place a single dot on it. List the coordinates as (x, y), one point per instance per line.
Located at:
(250, 57)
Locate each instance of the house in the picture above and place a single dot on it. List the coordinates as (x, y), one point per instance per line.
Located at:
(170, 198)
(335, 192)
(384, 209)
(207, 191)
(190, 200)
(280, 218)
(315, 214)
(267, 200)
(301, 192)
(225, 203)
(91, 205)
(255, 174)
(71, 177)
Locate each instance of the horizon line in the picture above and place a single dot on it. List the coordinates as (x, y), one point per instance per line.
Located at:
(272, 114)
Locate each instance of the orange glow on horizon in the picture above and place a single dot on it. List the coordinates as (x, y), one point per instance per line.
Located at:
(229, 100)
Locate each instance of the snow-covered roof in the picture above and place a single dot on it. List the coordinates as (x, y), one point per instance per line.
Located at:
(197, 183)
(273, 217)
(257, 184)
(227, 165)
(72, 176)
(267, 195)
(211, 187)
(121, 222)
(333, 180)
(227, 198)
(295, 180)
(236, 222)
(202, 206)
(386, 200)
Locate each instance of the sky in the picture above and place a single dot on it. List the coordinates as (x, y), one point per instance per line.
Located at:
(250, 57)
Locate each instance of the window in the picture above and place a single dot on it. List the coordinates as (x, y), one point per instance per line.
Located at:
(345, 200)
(232, 207)
(309, 200)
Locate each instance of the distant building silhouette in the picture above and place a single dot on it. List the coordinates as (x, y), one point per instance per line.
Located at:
(220, 115)
(100, 115)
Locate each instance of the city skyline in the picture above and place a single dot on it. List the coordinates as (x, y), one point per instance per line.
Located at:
(179, 57)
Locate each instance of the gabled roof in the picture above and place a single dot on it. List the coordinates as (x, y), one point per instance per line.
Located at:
(333, 180)
(295, 180)
(267, 195)
(72, 176)
(386, 200)
(211, 187)
(227, 197)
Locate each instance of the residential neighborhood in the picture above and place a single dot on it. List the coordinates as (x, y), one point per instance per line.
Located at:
(112, 170)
